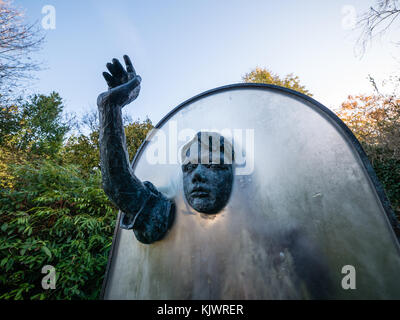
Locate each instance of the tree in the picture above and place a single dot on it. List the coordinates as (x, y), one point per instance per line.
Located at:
(55, 211)
(377, 20)
(10, 119)
(375, 121)
(17, 41)
(136, 133)
(262, 75)
(83, 150)
(43, 128)
(375, 118)
(31, 130)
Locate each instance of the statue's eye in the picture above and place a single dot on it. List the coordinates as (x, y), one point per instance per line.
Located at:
(215, 166)
(189, 167)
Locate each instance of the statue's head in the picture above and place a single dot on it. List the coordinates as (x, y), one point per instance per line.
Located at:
(207, 166)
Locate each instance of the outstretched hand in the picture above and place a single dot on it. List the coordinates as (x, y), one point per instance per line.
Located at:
(124, 85)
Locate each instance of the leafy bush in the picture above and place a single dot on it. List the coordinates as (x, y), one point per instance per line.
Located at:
(55, 217)
(53, 210)
(263, 75)
(375, 121)
(83, 150)
(387, 169)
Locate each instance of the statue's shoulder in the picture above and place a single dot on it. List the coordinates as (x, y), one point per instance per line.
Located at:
(156, 216)
(152, 188)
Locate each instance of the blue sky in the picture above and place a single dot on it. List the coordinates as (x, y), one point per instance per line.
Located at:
(184, 47)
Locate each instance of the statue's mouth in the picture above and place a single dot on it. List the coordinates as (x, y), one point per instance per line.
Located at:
(199, 192)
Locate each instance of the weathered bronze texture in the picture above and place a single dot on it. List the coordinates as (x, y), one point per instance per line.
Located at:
(145, 210)
(207, 185)
(148, 212)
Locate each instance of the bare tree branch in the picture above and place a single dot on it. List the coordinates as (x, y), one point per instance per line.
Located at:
(18, 40)
(376, 21)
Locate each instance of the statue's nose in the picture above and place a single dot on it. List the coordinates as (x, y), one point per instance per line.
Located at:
(198, 174)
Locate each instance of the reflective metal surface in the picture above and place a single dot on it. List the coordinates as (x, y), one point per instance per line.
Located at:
(309, 205)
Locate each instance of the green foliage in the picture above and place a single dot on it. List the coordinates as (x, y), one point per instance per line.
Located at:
(83, 150)
(262, 75)
(29, 131)
(136, 133)
(35, 127)
(54, 217)
(9, 126)
(53, 210)
(10, 119)
(42, 130)
(387, 169)
(388, 172)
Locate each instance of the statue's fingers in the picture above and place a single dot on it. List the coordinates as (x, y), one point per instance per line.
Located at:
(118, 67)
(133, 83)
(121, 73)
(129, 66)
(112, 70)
(110, 80)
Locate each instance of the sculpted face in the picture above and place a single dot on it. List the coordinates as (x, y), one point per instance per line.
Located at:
(207, 186)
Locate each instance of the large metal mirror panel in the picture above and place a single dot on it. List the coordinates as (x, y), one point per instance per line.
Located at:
(303, 213)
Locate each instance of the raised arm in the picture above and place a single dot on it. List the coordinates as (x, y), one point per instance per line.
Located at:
(144, 209)
(119, 182)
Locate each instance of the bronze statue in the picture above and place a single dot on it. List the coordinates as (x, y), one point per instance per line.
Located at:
(207, 183)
